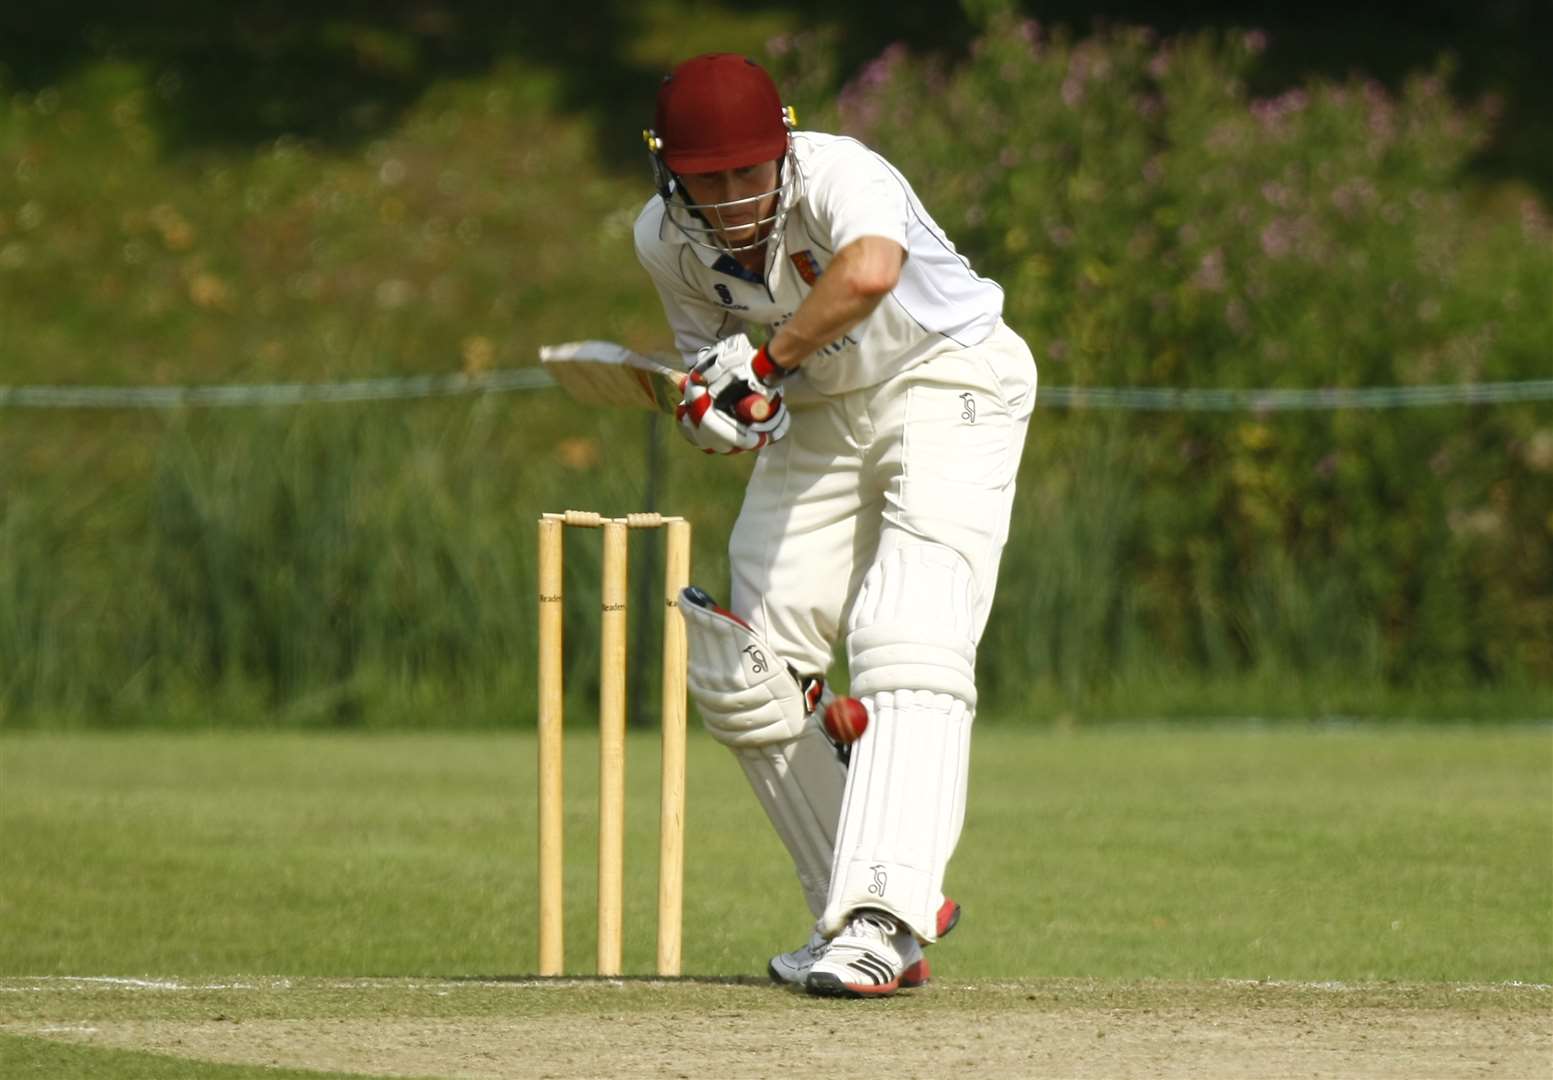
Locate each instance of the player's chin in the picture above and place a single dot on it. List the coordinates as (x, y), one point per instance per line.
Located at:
(740, 234)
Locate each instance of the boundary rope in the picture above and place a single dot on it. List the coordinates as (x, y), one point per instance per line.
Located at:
(514, 379)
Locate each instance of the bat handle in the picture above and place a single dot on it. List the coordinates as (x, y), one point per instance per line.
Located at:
(752, 409)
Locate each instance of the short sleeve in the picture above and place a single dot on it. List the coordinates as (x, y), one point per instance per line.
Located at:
(852, 192)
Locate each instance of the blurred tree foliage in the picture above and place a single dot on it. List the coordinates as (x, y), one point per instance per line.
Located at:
(255, 69)
(1155, 223)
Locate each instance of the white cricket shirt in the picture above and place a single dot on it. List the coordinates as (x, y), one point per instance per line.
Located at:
(842, 191)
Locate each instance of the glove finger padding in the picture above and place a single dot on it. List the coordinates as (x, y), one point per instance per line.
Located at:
(722, 356)
(774, 426)
(714, 431)
(689, 427)
(744, 691)
(734, 372)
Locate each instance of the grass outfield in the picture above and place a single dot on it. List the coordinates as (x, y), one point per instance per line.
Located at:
(1412, 854)
(1140, 881)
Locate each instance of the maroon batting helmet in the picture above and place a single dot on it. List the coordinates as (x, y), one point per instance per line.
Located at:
(719, 111)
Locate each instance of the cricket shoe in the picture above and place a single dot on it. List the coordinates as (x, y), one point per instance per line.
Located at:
(792, 968)
(948, 917)
(867, 959)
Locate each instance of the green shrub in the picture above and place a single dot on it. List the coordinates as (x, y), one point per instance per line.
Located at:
(1154, 226)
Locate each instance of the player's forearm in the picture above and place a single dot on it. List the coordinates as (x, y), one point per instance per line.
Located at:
(859, 277)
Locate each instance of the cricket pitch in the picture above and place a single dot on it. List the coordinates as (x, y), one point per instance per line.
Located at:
(484, 1029)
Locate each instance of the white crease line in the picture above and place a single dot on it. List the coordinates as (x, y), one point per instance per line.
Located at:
(1513, 984)
(45, 983)
(1344, 987)
(73, 982)
(40, 983)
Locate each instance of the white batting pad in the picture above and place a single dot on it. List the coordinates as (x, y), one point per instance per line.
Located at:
(800, 784)
(744, 691)
(914, 624)
(903, 811)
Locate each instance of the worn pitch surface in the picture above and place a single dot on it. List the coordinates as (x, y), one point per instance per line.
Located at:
(482, 1029)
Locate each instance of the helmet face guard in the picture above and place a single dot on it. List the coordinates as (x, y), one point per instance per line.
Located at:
(720, 112)
(700, 223)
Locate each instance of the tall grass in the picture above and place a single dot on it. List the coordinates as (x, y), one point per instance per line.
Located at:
(374, 566)
(318, 567)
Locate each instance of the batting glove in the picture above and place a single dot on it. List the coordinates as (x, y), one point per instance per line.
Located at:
(734, 370)
(729, 400)
(714, 431)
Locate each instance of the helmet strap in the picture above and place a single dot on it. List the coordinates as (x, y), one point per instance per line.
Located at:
(663, 177)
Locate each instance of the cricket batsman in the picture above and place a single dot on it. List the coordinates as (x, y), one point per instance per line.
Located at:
(895, 407)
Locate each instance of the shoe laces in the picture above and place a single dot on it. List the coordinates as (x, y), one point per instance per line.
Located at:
(874, 924)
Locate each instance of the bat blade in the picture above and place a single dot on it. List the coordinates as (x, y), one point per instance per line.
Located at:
(604, 373)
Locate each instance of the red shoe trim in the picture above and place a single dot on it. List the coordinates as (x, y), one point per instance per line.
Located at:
(948, 916)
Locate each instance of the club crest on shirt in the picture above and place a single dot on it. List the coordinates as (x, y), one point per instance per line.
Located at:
(807, 265)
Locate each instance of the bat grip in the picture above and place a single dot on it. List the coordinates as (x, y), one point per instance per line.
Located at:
(752, 409)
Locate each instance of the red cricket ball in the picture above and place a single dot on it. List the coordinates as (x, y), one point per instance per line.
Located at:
(845, 720)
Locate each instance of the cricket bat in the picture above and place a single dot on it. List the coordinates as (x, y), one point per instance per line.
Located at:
(610, 375)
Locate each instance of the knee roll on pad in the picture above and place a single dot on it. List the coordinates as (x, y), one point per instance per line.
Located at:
(744, 691)
(914, 624)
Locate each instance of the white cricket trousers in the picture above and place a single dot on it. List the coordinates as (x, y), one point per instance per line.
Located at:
(924, 461)
(931, 453)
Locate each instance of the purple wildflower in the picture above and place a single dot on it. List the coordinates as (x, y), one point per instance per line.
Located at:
(1277, 238)
(1210, 271)
(859, 99)
(1276, 193)
(1236, 317)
